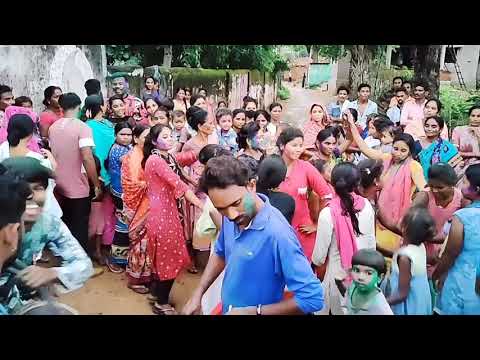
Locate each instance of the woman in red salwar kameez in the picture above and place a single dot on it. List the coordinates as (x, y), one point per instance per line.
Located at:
(167, 191)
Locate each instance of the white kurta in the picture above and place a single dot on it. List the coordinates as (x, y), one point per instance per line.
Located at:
(326, 244)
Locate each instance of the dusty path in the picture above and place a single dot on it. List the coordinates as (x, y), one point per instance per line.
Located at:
(108, 294)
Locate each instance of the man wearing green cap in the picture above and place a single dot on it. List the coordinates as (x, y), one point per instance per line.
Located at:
(42, 230)
(120, 87)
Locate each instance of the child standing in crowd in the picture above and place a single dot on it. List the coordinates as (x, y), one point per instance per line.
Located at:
(123, 144)
(227, 137)
(179, 132)
(24, 101)
(408, 280)
(364, 296)
(266, 136)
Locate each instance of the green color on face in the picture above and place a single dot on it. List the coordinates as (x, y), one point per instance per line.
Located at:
(249, 204)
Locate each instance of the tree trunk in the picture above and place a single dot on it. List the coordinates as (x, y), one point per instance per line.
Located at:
(167, 56)
(362, 56)
(315, 50)
(427, 67)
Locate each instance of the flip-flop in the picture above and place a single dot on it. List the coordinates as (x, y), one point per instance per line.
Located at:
(164, 311)
(139, 289)
(193, 270)
(152, 299)
(114, 268)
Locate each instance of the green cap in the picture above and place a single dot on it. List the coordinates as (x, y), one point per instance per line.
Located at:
(30, 169)
(117, 75)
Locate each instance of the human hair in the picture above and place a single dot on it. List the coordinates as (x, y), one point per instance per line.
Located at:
(178, 90)
(177, 114)
(69, 101)
(418, 225)
(210, 151)
(436, 101)
(443, 173)
(196, 117)
(150, 140)
(149, 77)
(382, 123)
(274, 105)
(28, 169)
(138, 131)
(222, 172)
(371, 258)
(261, 112)
(438, 119)
(154, 99)
(326, 133)
(474, 107)
(247, 99)
(363, 85)
(406, 82)
(238, 111)
(14, 193)
(202, 89)
(421, 84)
(92, 87)
(319, 164)
(222, 102)
(48, 93)
(370, 170)
(222, 112)
(5, 89)
(19, 127)
(473, 176)
(248, 132)
(94, 103)
(345, 180)
(287, 135)
(400, 89)
(397, 78)
(163, 109)
(120, 126)
(167, 104)
(344, 88)
(194, 99)
(354, 113)
(23, 99)
(187, 89)
(252, 165)
(113, 98)
(271, 173)
(407, 139)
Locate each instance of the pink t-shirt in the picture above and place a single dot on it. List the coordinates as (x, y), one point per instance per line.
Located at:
(412, 117)
(67, 137)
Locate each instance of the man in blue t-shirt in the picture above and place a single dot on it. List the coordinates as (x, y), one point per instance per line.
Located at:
(257, 248)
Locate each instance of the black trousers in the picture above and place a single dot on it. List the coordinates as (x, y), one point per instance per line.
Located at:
(76, 213)
(161, 289)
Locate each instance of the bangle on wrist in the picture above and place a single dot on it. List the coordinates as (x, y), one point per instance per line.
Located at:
(259, 309)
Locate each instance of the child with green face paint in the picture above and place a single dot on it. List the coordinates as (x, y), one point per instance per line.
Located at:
(364, 296)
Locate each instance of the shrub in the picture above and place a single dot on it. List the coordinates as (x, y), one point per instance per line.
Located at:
(283, 93)
(456, 103)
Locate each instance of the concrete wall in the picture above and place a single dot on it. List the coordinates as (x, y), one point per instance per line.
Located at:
(468, 60)
(29, 69)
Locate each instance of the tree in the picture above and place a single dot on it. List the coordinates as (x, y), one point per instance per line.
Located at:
(426, 65)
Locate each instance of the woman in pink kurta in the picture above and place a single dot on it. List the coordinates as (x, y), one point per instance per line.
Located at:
(166, 191)
(467, 138)
(301, 177)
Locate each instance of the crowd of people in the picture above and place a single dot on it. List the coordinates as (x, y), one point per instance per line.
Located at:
(360, 211)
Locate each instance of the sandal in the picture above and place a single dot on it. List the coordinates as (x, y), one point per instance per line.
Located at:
(165, 309)
(193, 270)
(114, 268)
(139, 289)
(152, 299)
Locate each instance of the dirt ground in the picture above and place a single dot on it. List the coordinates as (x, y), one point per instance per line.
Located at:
(107, 294)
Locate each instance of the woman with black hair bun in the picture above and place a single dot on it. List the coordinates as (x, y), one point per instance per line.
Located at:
(346, 225)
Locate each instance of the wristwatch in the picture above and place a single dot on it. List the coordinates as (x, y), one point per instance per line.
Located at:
(259, 309)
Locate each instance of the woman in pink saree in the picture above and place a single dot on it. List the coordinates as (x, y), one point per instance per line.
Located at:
(401, 178)
(319, 120)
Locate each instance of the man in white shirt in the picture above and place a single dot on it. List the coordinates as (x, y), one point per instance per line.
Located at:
(364, 105)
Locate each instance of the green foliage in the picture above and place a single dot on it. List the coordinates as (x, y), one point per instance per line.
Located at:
(259, 57)
(283, 93)
(332, 51)
(456, 104)
(123, 55)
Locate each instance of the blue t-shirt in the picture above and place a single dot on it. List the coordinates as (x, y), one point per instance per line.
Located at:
(264, 258)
